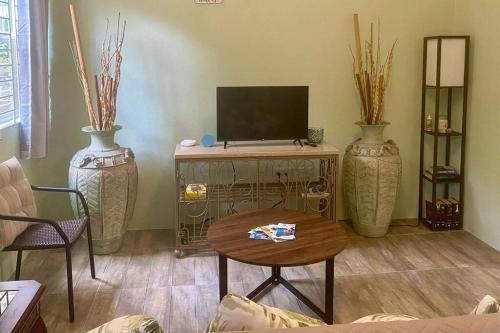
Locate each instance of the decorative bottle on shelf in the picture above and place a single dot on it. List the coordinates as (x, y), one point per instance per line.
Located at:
(428, 123)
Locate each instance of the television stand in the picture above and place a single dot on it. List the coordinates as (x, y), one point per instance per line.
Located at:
(225, 144)
(249, 176)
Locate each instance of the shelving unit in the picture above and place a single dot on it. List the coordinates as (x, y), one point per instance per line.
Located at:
(247, 177)
(441, 71)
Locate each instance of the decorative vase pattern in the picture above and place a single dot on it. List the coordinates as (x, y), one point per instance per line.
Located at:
(106, 174)
(371, 178)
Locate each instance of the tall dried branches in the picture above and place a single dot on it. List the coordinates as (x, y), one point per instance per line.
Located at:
(106, 83)
(371, 74)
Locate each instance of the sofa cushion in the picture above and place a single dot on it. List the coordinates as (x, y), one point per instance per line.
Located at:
(16, 198)
(487, 305)
(238, 313)
(384, 317)
(130, 324)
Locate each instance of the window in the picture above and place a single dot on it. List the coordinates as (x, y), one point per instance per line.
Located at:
(9, 89)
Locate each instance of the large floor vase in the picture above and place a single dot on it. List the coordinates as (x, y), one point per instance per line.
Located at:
(106, 174)
(371, 178)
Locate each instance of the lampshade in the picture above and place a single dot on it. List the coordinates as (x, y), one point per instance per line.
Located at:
(452, 57)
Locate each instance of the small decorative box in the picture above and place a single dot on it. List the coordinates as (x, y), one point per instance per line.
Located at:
(196, 191)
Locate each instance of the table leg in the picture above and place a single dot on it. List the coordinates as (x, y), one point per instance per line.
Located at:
(222, 276)
(329, 290)
(276, 273)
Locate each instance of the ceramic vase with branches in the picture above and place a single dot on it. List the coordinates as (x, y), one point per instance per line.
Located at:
(104, 172)
(371, 165)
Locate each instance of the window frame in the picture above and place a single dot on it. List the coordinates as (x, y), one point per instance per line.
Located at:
(12, 117)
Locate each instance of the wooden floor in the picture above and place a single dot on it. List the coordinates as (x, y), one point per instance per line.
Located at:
(410, 271)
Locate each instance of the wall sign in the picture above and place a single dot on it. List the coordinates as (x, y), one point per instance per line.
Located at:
(208, 2)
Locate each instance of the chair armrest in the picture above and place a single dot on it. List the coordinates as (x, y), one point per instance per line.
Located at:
(67, 190)
(29, 219)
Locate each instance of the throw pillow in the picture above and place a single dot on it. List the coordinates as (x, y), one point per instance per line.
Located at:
(385, 317)
(130, 324)
(238, 313)
(487, 305)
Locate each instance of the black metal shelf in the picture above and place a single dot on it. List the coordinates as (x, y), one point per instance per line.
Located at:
(454, 180)
(434, 134)
(444, 87)
(452, 133)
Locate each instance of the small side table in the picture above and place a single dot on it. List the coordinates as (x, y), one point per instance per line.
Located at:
(318, 239)
(20, 307)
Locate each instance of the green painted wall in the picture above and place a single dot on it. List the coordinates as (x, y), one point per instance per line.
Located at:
(177, 52)
(479, 19)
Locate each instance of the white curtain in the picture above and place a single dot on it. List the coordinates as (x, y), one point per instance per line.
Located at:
(33, 77)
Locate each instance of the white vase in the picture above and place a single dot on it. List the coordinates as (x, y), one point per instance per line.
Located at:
(371, 178)
(106, 174)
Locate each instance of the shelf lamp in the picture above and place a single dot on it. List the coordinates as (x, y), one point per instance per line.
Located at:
(446, 60)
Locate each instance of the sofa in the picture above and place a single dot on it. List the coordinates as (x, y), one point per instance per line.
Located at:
(238, 313)
(488, 323)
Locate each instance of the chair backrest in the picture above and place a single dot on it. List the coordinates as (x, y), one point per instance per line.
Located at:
(16, 198)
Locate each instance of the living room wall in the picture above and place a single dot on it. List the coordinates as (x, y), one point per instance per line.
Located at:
(177, 52)
(479, 18)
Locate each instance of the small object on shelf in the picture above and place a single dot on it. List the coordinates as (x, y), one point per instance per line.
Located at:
(428, 123)
(316, 191)
(207, 140)
(188, 142)
(196, 191)
(442, 172)
(315, 135)
(444, 214)
(443, 124)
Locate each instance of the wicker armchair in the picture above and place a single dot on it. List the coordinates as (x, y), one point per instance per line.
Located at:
(34, 233)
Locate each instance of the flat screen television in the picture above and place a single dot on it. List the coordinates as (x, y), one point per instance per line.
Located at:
(262, 113)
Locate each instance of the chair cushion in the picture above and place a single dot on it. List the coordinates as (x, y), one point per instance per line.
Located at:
(130, 324)
(384, 317)
(238, 313)
(16, 198)
(487, 305)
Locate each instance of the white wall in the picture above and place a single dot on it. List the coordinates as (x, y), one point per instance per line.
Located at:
(480, 19)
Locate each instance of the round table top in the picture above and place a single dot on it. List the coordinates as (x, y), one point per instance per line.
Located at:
(317, 238)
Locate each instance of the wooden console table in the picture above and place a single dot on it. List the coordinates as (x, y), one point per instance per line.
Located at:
(20, 307)
(247, 176)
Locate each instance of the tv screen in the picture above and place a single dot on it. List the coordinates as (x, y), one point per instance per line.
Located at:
(262, 113)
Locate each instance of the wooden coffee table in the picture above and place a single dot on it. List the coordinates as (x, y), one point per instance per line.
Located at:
(317, 239)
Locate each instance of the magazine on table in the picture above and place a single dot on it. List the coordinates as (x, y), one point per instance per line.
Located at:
(280, 232)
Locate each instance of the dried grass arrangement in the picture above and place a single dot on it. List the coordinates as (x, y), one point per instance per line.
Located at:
(107, 81)
(371, 74)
